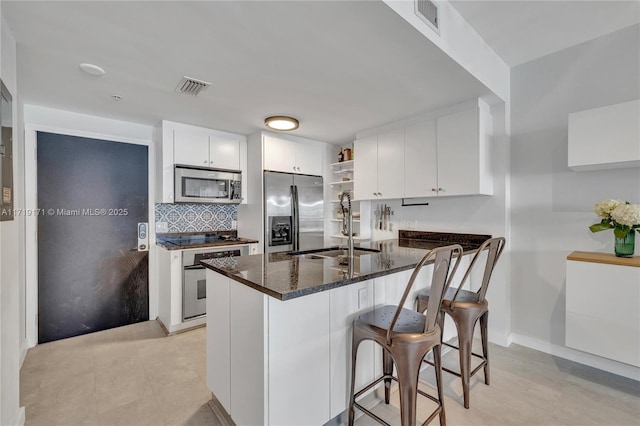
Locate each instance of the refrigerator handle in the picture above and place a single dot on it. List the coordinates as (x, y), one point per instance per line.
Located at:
(296, 217)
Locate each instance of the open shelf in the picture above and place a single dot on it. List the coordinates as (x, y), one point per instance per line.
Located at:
(341, 182)
(342, 164)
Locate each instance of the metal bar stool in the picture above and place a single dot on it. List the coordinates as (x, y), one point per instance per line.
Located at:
(406, 336)
(465, 308)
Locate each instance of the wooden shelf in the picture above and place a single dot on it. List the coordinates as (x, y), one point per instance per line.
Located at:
(341, 182)
(340, 220)
(608, 258)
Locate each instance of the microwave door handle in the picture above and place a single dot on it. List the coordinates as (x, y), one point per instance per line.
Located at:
(296, 218)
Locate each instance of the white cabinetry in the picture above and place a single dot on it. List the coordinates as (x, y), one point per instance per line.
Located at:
(191, 146)
(271, 362)
(446, 155)
(594, 289)
(463, 152)
(200, 147)
(170, 292)
(420, 160)
(378, 166)
(605, 138)
(283, 155)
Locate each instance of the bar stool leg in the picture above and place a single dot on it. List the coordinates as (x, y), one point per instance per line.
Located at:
(355, 342)
(408, 370)
(465, 339)
(437, 362)
(387, 369)
(484, 320)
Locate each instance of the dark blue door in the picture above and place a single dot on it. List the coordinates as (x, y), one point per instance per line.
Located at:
(91, 196)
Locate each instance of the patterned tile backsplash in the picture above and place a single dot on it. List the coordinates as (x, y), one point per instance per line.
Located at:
(196, 217)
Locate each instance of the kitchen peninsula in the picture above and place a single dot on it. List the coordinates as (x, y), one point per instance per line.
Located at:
(279, 325)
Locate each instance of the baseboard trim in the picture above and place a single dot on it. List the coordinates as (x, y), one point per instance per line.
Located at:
(625, 370)
(183, 327)
(219, 411)
(20, 417)
(24, 348)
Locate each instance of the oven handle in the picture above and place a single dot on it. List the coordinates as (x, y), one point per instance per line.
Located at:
(193, 267)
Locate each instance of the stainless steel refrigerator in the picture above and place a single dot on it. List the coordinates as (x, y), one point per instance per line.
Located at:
(293, 211)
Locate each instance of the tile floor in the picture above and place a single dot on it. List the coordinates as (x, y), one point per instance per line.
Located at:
(135, 375)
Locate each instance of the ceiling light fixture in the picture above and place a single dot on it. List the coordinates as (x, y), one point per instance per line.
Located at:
(93, 69)
(281, 123)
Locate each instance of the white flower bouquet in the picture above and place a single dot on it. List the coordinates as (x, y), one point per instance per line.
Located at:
(617, 215)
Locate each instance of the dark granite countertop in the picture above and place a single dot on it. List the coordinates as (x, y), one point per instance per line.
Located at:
(285, 276)
(191, 240)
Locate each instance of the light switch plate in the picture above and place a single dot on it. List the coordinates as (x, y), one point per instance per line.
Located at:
(162, 227)
(234, 224)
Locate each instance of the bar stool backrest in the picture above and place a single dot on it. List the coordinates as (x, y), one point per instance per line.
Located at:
(494, 248)
(440, 281)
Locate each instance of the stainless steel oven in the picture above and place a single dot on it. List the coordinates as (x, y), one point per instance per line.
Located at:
(194, 289)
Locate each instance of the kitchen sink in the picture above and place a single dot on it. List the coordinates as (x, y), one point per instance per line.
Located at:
(334, 252)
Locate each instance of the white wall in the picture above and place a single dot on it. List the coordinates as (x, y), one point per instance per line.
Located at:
(462, 43)
(551, 204)
(12, 258)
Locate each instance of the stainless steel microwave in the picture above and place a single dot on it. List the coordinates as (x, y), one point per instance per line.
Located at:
(203, 185)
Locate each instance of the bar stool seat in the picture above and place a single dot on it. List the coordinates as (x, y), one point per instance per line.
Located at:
(406, 336)
(466, 308)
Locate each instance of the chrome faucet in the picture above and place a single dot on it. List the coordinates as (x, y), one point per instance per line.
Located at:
(347, 222)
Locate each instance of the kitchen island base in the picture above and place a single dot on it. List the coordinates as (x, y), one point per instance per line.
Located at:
(275, 362)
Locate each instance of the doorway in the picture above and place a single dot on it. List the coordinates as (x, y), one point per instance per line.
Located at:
(91, 196)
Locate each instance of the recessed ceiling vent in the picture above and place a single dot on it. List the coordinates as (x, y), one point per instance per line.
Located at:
(191, 86)
(428, 12)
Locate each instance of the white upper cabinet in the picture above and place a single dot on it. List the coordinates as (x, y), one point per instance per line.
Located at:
(420, 160)
(448, 155)
(191, 146)
(391, 164)
(196, 146)
(379, 165)
(224, 151)
(605, 138)
(365, 170)
(463, 152)
(283, 155)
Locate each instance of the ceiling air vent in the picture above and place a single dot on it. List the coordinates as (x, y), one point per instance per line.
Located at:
(428, 12)
(191, 86)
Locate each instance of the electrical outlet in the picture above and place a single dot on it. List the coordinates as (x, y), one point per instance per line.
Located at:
(162, 227)
(234, 224)
(362, 298)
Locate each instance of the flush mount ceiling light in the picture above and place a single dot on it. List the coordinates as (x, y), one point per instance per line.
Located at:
(93, 69)
(281, 123)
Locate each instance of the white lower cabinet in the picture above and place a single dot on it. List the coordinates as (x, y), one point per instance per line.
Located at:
(271, 362)
(603, 310)
(345, 303)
